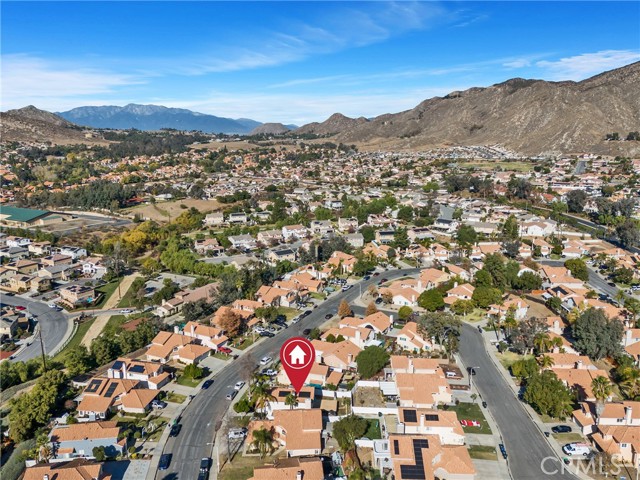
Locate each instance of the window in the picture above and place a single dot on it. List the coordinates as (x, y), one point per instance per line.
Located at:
(623, 445)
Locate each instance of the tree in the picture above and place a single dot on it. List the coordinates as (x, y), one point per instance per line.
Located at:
(485, 296)
(401, 239)
(545, 362)
(99, 454)
(371, 309)
(623, 275)
(344, 310)
(548, 395)
(510, 229)
(554, 304)
(193, 371)
(528, 281)
(462, 307)
(230, 322)
(578, 268)
(576, 200)
(438, 325)
(628, 233)
(404, 312)
(387, 296)
(263, 441)
(466, 235)
(291, 400)
(519, 188)
(431, 300)
(347, 430)
(633, 306)
(596, 335)
(262, 396)
(523, 336)
(78, 361)
(483, 279)
(371, 360)
(601, 388)
(194, 311)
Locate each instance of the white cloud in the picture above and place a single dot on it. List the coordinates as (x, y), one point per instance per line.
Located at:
(30, 80)
(517, 63)
(586, 65)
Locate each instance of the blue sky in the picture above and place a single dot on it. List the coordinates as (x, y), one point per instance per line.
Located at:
(297, 62)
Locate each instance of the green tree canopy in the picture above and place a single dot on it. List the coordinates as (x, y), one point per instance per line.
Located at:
(596, 335)
(371, 360)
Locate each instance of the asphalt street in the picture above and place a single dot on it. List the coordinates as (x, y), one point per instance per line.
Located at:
(53, 326)
(595, 280)
(526, 446)
(209, 406)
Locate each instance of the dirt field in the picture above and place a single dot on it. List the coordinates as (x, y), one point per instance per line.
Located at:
(164, 211)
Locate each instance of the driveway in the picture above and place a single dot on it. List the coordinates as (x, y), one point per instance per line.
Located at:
(526, 446)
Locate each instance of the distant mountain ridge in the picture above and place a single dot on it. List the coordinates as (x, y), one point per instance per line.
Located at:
(527, 116)
(336, 123)
(156, 117)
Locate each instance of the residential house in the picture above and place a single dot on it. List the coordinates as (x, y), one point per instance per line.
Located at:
(237, 218)
(151, 374)
(39, 249)
(79, 440)
(79, 469)
(208, 246)
(270, 237)
(356, 240)
(74, 252)
(424, 421)
(339, 356)
(347, 224)
(422, 390)
(299, 431)
(294, 231)
(211, 337)
(410, 339)
(289, 469)
(342, 262)
(168, 346)
(385, 237)
(214, 219)
(77, 295)
(281, 255)
(242, 242)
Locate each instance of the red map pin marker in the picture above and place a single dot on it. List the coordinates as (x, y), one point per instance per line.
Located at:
(297, 356)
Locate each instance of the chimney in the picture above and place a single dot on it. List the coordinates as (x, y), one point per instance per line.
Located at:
(390, 319)
(193, 330)
(419, 284)
(358, 337)
(422, 421)
(578, 364)
(176, 329)
(299, 475)
(45, 477)
(455, 284)
(124, 369)
(629, 336)
(350, 358)
(411, 368)
(627, 415)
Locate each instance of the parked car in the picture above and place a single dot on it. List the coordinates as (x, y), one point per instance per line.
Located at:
(306, 313)
(270, 372)
(207, 384)
(232, 394)
(205, 463)
(266, 360)
(561, 429)
(281, 318)
(306, 331)
(238, 385)
(266, 333)
(378, 300)
(484, 404)
(175, 430)
(296, 319)
(52, 305)
(577, 449)
(158, 404)
(328, 316)
(366, 277)
(225, 350)
(165, 461)
(126, 311)
(237, 433)
(503, 450)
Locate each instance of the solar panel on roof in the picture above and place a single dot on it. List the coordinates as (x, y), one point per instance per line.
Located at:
(117, 365)
(110, 390)
(137, 369)
(410, 416)
(431, 418)
(415, 472)
(93, 386)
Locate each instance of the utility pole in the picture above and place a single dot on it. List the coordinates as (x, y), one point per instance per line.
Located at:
(44, 358)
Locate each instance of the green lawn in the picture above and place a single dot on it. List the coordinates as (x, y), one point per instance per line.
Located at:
(482, 452)
(288, 312)
(568, 437)
(221, 356)
(246, 342)
(187, 382)
(107, 290)
(175, 397)
(317, 296)
(472, 411)
(373, 432)
(509, 358)
(75, 340)
(127, 298)
(113, 324)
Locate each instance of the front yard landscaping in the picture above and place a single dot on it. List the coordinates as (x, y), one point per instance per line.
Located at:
(471, 411)
(483, 452)
(175, 397)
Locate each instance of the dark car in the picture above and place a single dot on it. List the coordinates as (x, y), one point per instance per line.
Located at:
(165, 461)
(207, 384)
(328, 316)
(203, 475)
(306, 313)
(281, 318)
(366, 277)
(561, 429)
(378, 300)
(484, 404)
(267, 334)
(205, 463)
(306, 331)
(503, 451)
(175, 430)
(376, 274)
(471, 370)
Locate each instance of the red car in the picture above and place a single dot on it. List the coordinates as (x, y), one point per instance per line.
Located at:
(225, 350)
(20, 307)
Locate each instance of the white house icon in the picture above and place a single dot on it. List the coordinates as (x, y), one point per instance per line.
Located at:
(297, 356)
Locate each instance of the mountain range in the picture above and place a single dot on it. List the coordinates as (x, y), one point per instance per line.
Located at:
(526, 116)
(155, 117)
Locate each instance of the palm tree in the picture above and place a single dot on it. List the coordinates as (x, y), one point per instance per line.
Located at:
(262, 396)
(545, 361)
(263, 441)
(601, 388)
(630, 385)
(509, 323)
(542, 342)
(291, 400)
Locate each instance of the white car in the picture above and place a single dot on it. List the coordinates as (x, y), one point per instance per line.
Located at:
(271, 372)
(237, 433)
(126, 311)
(295, 320)
(265, 360)
(52, 305)
(577, 449)
(238, 386)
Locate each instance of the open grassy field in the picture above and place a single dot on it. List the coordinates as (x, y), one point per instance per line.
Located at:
(75, 340)
(166, 211)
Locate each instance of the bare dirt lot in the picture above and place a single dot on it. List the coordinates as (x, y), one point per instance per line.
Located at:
(165, 211)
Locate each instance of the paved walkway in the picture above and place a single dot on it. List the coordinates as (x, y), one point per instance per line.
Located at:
(113, 301)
